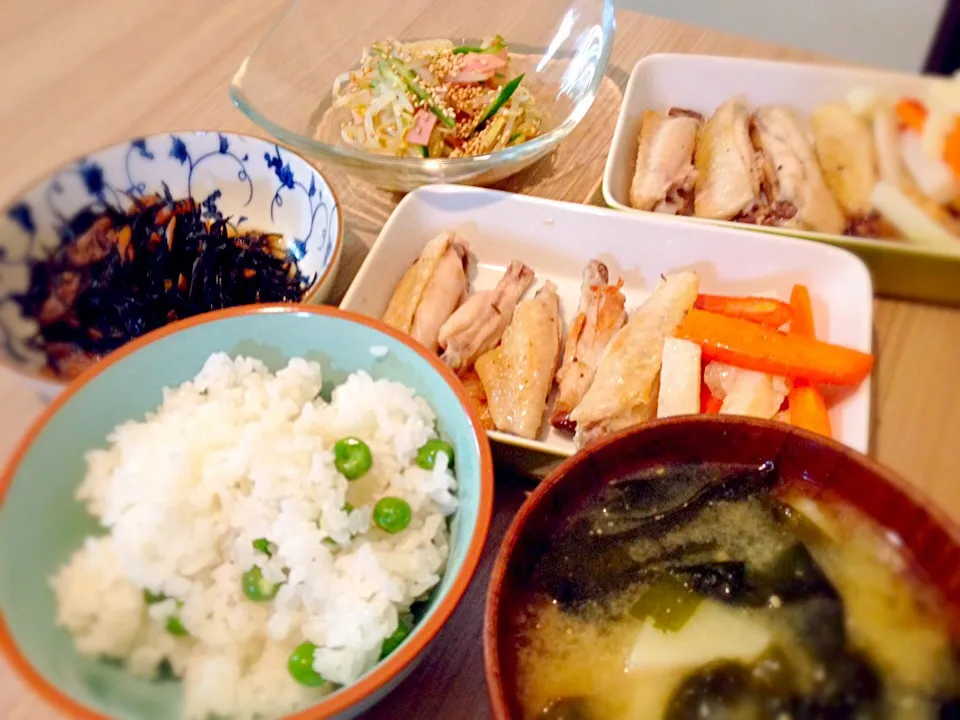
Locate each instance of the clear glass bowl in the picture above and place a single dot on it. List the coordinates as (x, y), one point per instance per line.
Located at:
(285, 86)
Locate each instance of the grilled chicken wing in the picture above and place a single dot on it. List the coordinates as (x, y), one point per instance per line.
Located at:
(478, 396)
(478, 324)
(794, 185)
(844, 146)
(624, 392)
(443, 294)
(430, 290)
(664, 177)
(517, 374)
(728, 178)
(600, 316)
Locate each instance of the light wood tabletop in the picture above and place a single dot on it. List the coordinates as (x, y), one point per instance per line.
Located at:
(75, 76)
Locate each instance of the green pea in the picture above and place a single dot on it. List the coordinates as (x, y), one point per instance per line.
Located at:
(352, 457)
(393, 641)
(153, 598)
(300, 666)
(175, 627)
(392, 514)
(256, 588)
(263, 545)
(427, 455)
(348, 508)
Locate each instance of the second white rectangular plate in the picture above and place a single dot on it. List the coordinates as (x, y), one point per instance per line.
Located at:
(704, 82)
(557, 240)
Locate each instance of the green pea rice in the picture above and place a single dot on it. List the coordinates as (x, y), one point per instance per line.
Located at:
(238, 454)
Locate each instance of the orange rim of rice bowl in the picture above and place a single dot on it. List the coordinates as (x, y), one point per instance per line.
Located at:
(422, 634)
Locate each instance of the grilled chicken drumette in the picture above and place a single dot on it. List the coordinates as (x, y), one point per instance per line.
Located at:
(664, 177)
(728, 176)
(478, 324)
(797, 195)
(600, 316)
(431, 289)
(517, 374)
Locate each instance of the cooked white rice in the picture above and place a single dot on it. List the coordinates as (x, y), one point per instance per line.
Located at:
(240, 453)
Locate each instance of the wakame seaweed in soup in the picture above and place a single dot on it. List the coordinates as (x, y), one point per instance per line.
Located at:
(712, 591)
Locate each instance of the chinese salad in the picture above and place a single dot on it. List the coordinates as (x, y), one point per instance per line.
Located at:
(434, 99)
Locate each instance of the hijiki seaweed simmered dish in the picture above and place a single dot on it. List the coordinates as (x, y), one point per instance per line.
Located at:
(435, 99)
(119, 274)
(689, 591)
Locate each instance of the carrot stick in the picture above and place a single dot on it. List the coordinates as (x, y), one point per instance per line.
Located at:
(765, 311)
(709, 405)
(807, 407)
(802, 322)
(951, 149)
(808, 410)
(912, 114)
(755, 347)
(713, 405)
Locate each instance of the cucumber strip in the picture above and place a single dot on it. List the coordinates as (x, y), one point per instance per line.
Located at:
(506, 92)
(387, 73)
(394, 71)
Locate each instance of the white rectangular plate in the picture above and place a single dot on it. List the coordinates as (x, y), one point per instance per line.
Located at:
(557, 240)
(704, 82)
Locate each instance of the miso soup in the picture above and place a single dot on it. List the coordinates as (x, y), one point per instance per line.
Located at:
(715, 591)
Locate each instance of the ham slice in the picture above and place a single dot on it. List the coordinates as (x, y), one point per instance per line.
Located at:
(479, 67)
(423, 124)
(475, 62)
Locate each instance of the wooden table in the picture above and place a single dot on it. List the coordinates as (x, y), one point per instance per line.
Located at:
(75, 76)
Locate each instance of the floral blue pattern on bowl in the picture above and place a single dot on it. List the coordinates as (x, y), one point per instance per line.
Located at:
(254, 183)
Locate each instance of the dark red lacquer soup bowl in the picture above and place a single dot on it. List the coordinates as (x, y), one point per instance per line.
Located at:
(922, 540)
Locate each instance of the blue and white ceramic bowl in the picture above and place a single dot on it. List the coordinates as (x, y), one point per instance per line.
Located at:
(256, 183)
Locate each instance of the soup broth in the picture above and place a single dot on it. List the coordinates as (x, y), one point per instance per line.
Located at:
(715, 591)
